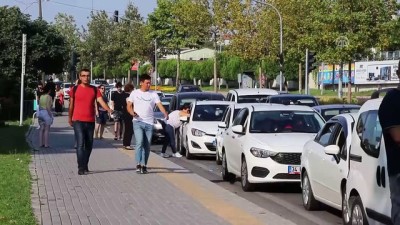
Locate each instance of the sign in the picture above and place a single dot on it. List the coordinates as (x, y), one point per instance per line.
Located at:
(326, 76)
(376, 72)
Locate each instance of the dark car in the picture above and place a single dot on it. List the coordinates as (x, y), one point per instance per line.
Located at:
(329, 111)
(179, 99)
(188, 88)
(293, 99)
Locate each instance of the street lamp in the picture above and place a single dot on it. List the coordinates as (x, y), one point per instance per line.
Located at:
(280, 40)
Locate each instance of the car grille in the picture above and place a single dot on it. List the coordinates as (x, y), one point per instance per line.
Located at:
(287, 158)
(211, 147)
(287, 176)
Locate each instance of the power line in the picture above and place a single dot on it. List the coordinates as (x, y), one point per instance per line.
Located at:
(79, 7)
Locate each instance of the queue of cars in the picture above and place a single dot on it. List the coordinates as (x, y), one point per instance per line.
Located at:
(335, 152)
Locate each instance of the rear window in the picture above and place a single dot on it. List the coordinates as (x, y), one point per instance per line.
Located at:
(209, 112)
(294, 101)
(252, 98)
(329, 113)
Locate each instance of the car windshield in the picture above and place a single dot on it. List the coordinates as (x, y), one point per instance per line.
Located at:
(209, 112)
(329, 113)
(165, 104)
(252, 98)
(189, 89)
(285, 122)
(66, 85)
(183, 101)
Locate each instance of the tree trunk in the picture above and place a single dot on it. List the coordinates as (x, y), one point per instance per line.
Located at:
(177, 69)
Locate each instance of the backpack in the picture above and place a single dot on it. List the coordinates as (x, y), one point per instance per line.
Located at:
(76, 87)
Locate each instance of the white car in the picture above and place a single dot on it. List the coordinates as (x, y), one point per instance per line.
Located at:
(227, 119)
(198, 132)
(66, 88)
(265, 142)
(367, 185)
(250, 95)
(325, 165)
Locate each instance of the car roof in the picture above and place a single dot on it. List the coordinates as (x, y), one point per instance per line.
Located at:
(194, 94)
(372, 104)
(213, 102)
(335, 106)
(244, 105)
(254, 91)
(276, 107)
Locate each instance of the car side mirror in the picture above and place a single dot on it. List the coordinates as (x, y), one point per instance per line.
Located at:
(222, 125)
(332, 150)
(238, 129)
(184, 119)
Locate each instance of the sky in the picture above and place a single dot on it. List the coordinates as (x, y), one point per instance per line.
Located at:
(79, 9)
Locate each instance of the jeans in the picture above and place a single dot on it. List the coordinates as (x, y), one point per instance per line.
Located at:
(169, 139)
(84, 138)
(394, 182)
(143, 134)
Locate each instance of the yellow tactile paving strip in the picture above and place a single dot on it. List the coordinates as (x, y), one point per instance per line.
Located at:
(211, 201)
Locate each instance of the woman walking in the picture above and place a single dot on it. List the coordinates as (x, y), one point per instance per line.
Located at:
(59, 105)
(101, 115)
(127, 120)
(45, 117)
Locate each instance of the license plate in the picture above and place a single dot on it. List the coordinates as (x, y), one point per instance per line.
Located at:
(214, 142)
(293, 169)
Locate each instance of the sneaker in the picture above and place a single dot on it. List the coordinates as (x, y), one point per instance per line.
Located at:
(176, 155)
(128, 148)
(82, 172)
(138, 168)
(143, 170)
(165, 155)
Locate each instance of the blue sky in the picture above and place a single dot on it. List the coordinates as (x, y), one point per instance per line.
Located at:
(79, 9)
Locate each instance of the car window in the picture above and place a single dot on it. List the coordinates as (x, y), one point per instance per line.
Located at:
(233, 98)
(209, 112)
(285, 121)
(371, 134)
(228, 97)
(252, 98)
(341, 143)
(227, 117)
(165, 104)
(241, 117)
(325, 135)
(329, 113)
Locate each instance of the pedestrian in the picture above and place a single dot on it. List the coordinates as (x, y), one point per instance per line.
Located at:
(127, 119)
(118, 101)
(81, 117)
(171, 125)
(45, 117)
(59, 104)
(39, 91)
(101, 115)
(389, 118)
(140, 105)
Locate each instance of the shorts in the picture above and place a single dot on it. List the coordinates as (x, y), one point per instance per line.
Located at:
(102, 118)
(44, 118)
(117, 116)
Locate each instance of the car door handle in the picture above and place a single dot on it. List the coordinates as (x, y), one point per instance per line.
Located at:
(383, 177)
(378, 176)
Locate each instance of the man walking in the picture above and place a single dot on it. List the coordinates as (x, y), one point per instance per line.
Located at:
(81, 117)
(118, 100)
(140, 105)
(389, 118)
(171, 125)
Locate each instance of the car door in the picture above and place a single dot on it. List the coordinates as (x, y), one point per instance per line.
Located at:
(317, 157)
(186, 128)
(221, 131)
(235, 142)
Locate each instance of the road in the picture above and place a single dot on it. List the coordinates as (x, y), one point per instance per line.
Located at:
(281, 199)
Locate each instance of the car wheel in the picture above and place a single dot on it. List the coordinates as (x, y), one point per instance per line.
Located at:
(246, 185)
(217, 158)
(358, 216)
(188, 154)
(309, 201)
(226, 176)
(345, 208)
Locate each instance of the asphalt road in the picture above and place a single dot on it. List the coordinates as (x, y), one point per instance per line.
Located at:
(281, 199)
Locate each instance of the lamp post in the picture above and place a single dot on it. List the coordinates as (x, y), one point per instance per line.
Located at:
(155, 62)
(280, 40)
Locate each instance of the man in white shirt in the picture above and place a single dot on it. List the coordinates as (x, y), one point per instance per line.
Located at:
(140, 104)
(171, 125)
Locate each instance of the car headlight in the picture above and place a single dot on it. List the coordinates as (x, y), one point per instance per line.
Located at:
(198, 133)
(262, 153)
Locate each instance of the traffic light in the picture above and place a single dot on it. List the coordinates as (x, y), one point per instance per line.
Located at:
(281, 60)
(116, 16)
(311, 62)
(75, 59)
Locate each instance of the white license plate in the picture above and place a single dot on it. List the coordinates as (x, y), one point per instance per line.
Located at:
(293, 169)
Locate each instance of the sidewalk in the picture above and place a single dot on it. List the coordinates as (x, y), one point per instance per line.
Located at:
(113, 193)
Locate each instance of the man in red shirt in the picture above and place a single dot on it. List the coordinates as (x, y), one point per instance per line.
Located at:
(82, 117)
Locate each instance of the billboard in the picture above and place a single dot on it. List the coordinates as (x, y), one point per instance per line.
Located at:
(376, 72)
(326, 76)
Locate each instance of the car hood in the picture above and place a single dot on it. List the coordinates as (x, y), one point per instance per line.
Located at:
(283, 142)
(208, 127)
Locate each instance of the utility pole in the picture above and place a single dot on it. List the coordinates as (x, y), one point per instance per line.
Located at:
(21, 109)
(40, 10)
(306, 74)
(215, 64)
(155, 62)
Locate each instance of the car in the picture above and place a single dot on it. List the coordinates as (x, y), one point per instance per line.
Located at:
(98, 82)
(188, 88)
(198, 131)
(325, 165)
(367, 187)
(66, 88)
(159, 93)
(168, 95)
(293, 99)
(256, 147)
(331, 110)
(158, 129)
(249, 95)
(227, 119)
(179, 99)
